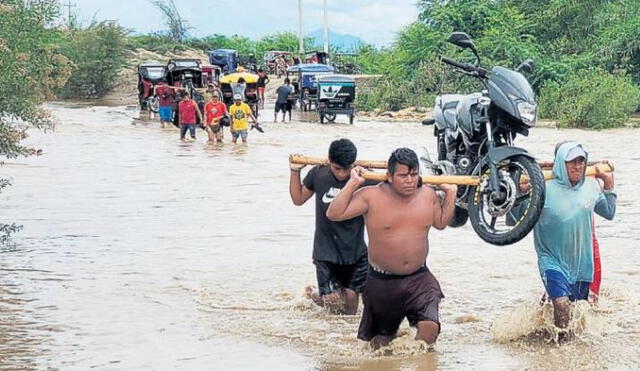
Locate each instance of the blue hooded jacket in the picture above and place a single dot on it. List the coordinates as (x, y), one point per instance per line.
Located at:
(562, 236)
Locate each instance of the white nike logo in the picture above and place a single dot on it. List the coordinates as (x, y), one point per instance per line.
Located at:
(330, 195)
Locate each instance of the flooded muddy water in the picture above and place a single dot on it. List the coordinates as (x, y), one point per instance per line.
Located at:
(140, 252)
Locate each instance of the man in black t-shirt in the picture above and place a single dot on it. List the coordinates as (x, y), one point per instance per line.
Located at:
(339, 250)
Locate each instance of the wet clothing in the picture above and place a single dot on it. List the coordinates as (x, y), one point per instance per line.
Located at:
(331, 277)
(389, 298)
(563, 234)
(283, 92)
(280, 107)
(190, 127)
(240, 134)
(215, 128)
(240, 115)
(557, 286)
(334, 242)
(213, 110)
(237, 88)
(166, 113)
(187, 110)
(597, 266)
(166, 96)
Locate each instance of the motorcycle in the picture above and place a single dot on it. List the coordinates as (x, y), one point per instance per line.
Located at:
(475, 135)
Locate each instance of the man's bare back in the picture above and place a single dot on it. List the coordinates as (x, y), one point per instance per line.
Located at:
(398, 227)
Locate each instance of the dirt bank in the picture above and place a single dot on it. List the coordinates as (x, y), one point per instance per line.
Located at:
(125, 92)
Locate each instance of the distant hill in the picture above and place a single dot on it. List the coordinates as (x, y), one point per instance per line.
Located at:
(343, 42)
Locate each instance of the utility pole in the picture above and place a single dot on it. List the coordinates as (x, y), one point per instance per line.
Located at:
(326, 29)
(300, 31)
(69, 5)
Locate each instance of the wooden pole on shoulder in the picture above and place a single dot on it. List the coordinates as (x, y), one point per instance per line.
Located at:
(466, 180)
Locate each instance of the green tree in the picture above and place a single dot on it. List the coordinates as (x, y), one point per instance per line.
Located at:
(31, 69)
(97, 53)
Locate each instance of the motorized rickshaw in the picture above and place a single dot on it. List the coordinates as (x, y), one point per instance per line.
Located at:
(316, 57)
(226, 59)
(250, 93)
(149, 75)
(210, 73)
(336, 94)
(187, 75)
(304, 82)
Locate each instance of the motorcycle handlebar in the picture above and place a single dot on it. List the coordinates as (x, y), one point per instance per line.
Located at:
(462, 66)
(471, 69)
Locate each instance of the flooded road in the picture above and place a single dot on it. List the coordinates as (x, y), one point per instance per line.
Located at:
(140, 252)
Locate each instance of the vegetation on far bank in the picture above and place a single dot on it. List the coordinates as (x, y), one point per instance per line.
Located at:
(586, 54)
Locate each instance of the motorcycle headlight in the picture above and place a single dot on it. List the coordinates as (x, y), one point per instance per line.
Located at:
(527, 113)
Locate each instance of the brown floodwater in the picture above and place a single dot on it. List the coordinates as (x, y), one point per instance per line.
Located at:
(140, 252)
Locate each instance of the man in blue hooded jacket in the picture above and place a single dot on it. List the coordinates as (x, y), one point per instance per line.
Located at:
(562, 236)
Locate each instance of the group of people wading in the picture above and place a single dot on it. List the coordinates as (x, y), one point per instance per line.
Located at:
(214, 118)
(392, 275)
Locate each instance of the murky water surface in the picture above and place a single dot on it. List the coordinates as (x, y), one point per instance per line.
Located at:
(142, 252)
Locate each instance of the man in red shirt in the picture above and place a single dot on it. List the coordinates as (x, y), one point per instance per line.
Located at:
(166, 95)
(187, 110)
(214, 112)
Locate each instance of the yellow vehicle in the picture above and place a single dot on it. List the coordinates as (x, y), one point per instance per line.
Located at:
(250, 92)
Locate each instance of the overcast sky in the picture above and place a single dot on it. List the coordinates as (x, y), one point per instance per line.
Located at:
(374, 21)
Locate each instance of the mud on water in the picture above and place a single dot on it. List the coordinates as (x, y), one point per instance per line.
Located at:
(143, 252)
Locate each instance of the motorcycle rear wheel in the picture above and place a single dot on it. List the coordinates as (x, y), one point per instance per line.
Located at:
(524, 208)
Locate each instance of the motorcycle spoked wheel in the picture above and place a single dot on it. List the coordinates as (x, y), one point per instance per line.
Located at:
(154, 104)
(496, 221)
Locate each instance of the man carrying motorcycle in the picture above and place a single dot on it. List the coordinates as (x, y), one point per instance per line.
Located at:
(563, 234)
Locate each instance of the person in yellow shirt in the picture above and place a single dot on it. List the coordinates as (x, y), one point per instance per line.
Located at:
(240, 112)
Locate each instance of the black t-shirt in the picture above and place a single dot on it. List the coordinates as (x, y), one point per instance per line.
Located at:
(335, 242)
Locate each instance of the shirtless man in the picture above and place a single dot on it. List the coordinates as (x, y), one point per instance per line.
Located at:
(398, 216)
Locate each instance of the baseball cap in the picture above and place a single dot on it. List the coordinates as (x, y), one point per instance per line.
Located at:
(237, 97)
(574, 153)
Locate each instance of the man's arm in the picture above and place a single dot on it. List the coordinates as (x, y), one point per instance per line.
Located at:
(443, 213)
(606, 204)
(299, 193)
(250, 113)
(348, 203)
(195, 105)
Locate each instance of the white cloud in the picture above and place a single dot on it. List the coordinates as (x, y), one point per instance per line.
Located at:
(375, 21)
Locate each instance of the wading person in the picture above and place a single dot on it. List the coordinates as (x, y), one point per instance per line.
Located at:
(239, 88)
(339, 250)
(399, 214)
(290, 98)
(215, 111)
(282, 95)
(166, 95)
(187, 110)
(563, 236)
(214, 88)
(263, 80)
(240, 112)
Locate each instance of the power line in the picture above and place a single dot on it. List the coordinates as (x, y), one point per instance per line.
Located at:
(69, 5)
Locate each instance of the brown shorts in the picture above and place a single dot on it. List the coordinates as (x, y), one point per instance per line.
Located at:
(388, 299)
(215, 128)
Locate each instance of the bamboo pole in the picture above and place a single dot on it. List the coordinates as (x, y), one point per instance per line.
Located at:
(466, 180)
(305, 160)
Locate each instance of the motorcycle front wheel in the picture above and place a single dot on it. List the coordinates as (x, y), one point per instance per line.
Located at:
(507, 218)
(154, 104)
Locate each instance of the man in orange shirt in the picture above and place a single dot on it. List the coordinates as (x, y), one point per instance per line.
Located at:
(215, 111)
